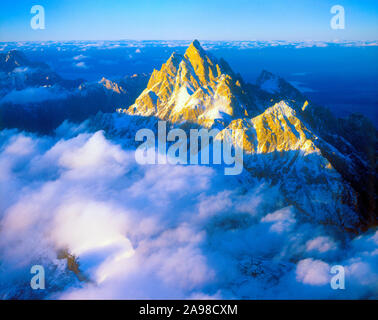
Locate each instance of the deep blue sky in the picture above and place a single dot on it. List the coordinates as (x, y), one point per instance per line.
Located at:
(186, 20)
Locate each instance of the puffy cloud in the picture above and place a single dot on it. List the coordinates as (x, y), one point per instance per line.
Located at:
(80, 57)
(21, 70)
(314, 272)
(281, 219)
(320, 244)
(81, 65)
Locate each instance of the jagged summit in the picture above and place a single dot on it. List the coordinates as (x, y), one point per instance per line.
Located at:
(111, 85)
(276, 85)
(271, 83)
(195, 51)
(200, 88)
(194, 87)
(265, 76)
(196, 44)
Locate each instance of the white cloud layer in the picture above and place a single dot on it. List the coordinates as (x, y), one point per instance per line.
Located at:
(159, 231)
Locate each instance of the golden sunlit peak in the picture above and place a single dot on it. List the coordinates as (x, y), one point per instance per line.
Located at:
(196, 44)
(195, 49)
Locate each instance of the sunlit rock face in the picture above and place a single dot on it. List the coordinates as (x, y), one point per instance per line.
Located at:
(193, 87)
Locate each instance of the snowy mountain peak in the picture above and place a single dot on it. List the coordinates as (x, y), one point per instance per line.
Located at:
(193, 87)
(195, 51)
(276, 85)
(113, 86)
(269, 82)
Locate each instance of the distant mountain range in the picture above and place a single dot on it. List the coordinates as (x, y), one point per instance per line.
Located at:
(33, 97)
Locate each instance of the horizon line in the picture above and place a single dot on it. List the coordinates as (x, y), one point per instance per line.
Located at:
(191, 40)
